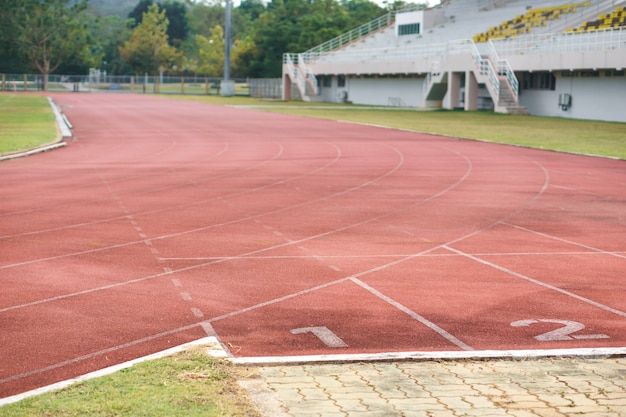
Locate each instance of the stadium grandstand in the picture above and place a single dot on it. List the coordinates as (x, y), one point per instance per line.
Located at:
(545, 58)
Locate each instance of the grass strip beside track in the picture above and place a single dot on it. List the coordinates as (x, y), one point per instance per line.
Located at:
(25, 122)
(552, 133)
(186, 384)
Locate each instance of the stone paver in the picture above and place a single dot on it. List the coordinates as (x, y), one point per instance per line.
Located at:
(517, 388)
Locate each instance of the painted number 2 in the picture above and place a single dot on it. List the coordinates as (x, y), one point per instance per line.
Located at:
(565, 332)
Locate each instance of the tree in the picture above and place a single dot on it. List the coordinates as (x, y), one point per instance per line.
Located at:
(49, 32)
(148, 50)
(176, 13)
(298, 25)
(211, 53)
(107, 33)
(244, 53)
(137, 13)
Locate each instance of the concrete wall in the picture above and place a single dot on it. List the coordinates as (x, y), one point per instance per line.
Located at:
(595, 98)
(378, 91)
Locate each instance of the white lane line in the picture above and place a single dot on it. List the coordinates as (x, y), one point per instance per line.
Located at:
(199, 229)
(176, 282)
(176, 206)
(396, 255)
(185, 296)
(569, 242)
(98, 353)
(437, 329)
(193, 267)
(276, 300)
(540, 283)
(197, 312)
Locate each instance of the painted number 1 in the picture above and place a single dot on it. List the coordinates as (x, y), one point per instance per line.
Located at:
(565, 332)
(323, 333)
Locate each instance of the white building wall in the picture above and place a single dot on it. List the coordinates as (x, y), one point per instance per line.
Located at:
(408, 18)
(592, 98)
(386, 91)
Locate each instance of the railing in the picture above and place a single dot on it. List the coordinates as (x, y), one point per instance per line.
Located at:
(294, 72)
(358, 32)
(308, 74)
(391, 53)
(562, 42)
(350, 36)
(434, 75)
(504, 68)
(485, 68)
(192, 85)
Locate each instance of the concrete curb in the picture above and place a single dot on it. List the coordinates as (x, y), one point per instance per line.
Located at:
(432, 356)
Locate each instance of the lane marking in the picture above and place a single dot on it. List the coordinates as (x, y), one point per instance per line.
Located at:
(396, 255)
(437, 329)
(189, 268)
(176, 206)
(276, 300)
(569, 242)
(562, 333)
(537, 282)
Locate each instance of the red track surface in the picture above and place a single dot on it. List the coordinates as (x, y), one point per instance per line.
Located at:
(164, 220)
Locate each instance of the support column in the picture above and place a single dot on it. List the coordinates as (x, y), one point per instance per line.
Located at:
(454, 89)
(471, 91)
(286, 88)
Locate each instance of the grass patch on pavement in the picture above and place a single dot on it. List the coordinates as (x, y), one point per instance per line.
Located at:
(187, 384)
(26, 121)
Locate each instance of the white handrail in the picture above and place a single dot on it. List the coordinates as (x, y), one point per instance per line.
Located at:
(308, 73)
(504, 68)
(295, 74)
(485, 68)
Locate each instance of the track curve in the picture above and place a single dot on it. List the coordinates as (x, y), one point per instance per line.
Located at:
(165, 220)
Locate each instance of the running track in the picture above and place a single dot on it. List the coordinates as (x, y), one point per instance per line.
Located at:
(163, 221)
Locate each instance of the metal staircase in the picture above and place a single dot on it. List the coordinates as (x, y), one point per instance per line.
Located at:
(495, 73)
(302, 76)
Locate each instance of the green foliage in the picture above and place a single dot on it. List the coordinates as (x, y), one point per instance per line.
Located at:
(96, 37)
(106, 34)
(176, 13)
(137, 13)
(211, 53)
(148, 50)
(47, 33)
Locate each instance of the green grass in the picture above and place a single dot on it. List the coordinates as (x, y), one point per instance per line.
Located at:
(552, 133)
(25, 122)
(187, 384)
(567, 135)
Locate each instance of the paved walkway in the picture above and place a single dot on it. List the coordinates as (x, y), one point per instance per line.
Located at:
(520, 388)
